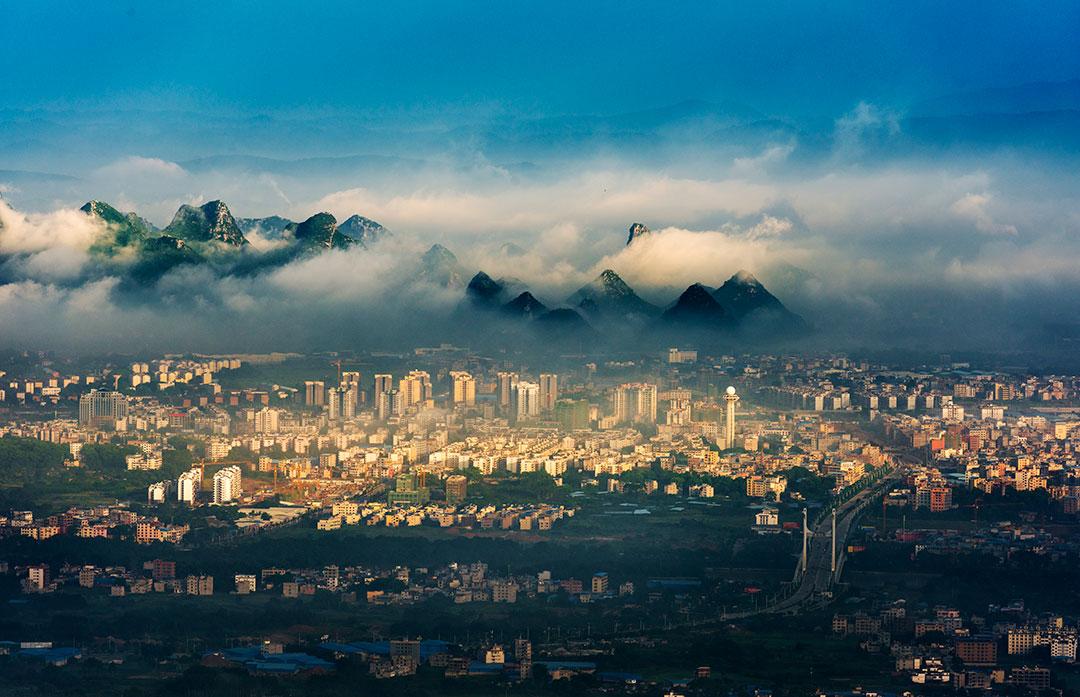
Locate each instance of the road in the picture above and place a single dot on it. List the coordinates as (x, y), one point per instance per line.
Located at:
(819, 577)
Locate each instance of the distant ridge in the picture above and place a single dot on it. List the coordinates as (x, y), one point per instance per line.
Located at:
(439, 266)
(608, 295)
(748, 302)
(210, 222)
(697, 308)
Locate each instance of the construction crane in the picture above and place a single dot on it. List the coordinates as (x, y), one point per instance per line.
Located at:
(338, 364)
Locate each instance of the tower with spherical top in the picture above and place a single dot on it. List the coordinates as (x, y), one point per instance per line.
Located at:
(730, 399)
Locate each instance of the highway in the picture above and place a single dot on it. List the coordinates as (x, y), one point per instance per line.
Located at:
(819, 577)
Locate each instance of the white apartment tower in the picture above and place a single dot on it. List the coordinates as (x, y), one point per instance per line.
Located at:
(188, 485)
(333, 404)
(266, 420)
(646, 403)
(156, 492)
(350, 380)
(349, 400)
(528, 400)
(227, 483)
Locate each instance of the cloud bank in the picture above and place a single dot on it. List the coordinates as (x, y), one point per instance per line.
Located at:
(873, 241)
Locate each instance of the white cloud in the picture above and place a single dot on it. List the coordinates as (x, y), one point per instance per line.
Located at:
(873, 236)
(758, 164)
(136, 166)
(590, 199)
(679, 257)
(37, 232)
(865, 122)
(974, 207)
(770, 226)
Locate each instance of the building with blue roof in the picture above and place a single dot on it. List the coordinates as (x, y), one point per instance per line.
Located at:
(58, 656)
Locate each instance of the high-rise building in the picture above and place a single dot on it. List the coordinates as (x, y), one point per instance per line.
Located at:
(227, 484)
(646, 403)
(528, 400)
(157, 492)
(457, 488)
(507, 384)
(464, 388)
(188, 485)
(99, 409)
(350, 380)
(622, 408)
(415, 388)
(341, 403)
(730, 400)
(389, 404)
(549, 391)
(572, 414)
(384, 382)
(333, 404)
(635, 402)
(680, 413)
(407, 489)
(524, 655)
(266, 420)
(314, 393)
(349, 399)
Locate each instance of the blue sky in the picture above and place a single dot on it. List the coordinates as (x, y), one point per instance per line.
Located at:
(805, 58)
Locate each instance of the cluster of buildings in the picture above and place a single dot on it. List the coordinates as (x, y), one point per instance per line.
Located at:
(458, 582)
(998, 454)
(112, 522)
(1000, 540)
(837, 383)
(155, 576)
(401, 448)
(226, 487)
(320, 442)
(924, 487)
(537, 517)
(942, 647)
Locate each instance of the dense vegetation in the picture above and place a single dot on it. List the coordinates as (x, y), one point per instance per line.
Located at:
(34, 475)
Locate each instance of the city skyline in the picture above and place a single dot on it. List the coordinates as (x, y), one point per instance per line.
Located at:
(531, 349)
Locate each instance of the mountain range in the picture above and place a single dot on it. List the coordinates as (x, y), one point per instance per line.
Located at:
(608, 296)
(209, 233)
(200, 233)
(740, 306)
